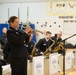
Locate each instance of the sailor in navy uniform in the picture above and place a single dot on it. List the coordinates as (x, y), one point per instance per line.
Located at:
(44, 43)
(18, 53)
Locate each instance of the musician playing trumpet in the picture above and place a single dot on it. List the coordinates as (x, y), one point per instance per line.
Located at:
(44, 43)
(18, 52)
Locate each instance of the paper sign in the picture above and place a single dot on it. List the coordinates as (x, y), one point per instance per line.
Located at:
(68, 60)
(53, 63)
(38, 65)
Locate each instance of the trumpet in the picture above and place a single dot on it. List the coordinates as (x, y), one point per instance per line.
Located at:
(34, 30)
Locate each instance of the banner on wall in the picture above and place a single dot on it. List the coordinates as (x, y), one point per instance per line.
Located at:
(66, 8)
(38, 65)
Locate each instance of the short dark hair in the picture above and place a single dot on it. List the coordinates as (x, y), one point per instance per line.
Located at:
(12, 18)
(48, 32)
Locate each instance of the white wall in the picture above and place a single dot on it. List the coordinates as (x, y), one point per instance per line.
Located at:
(36, 10)
(37, 13)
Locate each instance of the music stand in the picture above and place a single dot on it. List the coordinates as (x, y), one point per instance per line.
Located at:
(64, 52)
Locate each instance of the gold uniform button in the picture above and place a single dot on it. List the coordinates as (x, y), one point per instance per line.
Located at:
(24, 44)
(24, 41)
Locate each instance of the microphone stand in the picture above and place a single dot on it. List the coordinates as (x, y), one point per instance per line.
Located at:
(64, 52)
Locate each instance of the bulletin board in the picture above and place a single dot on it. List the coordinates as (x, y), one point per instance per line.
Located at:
(69, 27)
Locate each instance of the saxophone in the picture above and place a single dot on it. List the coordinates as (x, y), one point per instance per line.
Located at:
(59, 47)
(47, 52)
(33, 53)
(0, 46)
